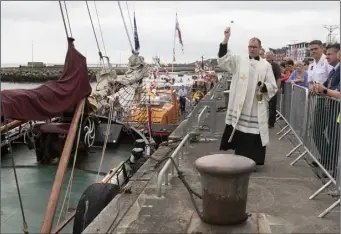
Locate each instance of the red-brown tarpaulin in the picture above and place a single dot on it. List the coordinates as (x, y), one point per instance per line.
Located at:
(53, 97)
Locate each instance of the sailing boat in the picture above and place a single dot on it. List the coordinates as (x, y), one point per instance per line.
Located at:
(66, 106)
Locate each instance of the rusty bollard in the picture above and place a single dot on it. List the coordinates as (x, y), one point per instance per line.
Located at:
(224, 181)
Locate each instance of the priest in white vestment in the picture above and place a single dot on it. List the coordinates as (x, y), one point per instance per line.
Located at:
(253, 85)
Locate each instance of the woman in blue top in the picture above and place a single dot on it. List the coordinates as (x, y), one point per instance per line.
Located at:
(299, 76)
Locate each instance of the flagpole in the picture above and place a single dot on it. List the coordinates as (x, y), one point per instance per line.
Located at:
(176, 20)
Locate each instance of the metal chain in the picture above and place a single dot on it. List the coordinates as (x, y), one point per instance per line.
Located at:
(185, 183)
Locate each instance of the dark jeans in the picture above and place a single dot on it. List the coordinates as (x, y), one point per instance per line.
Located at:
(182, 104)
(326, 133)
(272, 110)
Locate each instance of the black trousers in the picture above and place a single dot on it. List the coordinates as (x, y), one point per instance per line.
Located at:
(272, 110)
(182, 104)
(244, 144)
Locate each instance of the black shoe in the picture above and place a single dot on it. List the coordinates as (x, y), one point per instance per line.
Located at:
(314, 164)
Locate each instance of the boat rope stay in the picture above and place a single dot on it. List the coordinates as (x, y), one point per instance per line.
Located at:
(103, 78)
(93, 29)
(110, 104)
(67, 195)
(64, 22)
(67, 16)
(100, 29)
(129, 16)
(56, 188)
(123, 90)
(107, 133)
(25, 226)
(68, 191)
(125, 26)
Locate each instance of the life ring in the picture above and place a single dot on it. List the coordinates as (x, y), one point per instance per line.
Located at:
(94, 199)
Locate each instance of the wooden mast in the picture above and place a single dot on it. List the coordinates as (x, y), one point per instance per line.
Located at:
(62, 167)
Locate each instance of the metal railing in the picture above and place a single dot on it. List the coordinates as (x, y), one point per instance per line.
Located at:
(312, 120)
(182, 148)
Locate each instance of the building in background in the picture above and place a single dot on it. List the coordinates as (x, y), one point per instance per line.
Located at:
(279, 53)
(298, 51)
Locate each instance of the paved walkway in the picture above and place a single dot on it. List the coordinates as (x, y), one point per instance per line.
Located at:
(278, 193)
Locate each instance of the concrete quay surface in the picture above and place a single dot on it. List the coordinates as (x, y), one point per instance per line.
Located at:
(277, 197)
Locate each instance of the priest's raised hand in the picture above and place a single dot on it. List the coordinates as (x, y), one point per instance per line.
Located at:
(227, 34)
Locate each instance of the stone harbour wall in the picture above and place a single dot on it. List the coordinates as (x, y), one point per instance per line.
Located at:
(39, 75)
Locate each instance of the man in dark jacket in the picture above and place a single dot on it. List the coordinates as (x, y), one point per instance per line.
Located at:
(269, 56)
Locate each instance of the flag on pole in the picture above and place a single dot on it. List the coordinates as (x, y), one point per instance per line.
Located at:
(177, 28)
(136, 36)
(173, 54)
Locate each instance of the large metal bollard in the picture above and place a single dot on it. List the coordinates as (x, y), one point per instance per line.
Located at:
(224, 181)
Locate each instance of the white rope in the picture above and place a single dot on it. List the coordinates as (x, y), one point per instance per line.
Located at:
(131, 25)
(106, 139)
(100, 29)
(69, 187)
(125, 26)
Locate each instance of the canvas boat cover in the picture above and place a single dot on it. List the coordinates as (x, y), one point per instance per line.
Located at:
(53, 97)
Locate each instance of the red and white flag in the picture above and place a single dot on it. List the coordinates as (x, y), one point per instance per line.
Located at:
(177, 29)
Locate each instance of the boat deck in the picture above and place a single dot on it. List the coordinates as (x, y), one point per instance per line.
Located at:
(277, 198)
(36, 181)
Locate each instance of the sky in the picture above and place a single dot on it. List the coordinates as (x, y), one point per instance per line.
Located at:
(38, 25)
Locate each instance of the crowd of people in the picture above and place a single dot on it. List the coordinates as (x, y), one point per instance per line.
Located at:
(246, 112)
(322, 78)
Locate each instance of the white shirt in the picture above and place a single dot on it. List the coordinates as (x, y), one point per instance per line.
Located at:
(318, 72)
(182, 92)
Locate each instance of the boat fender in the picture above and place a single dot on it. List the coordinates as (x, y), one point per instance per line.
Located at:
(94, 199)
